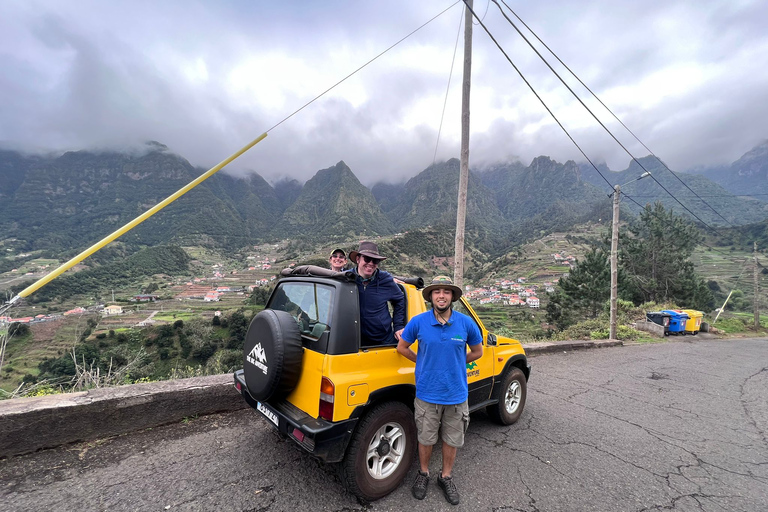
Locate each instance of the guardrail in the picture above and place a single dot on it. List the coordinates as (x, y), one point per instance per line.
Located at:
(33, 423)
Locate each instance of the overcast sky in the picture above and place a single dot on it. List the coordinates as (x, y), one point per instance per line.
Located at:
(689, 78)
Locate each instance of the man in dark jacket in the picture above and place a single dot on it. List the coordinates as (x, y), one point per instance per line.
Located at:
(376, 289)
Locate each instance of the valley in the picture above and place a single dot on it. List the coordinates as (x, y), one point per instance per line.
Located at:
(173, 297)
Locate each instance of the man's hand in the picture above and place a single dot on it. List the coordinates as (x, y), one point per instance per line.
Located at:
(398, 333)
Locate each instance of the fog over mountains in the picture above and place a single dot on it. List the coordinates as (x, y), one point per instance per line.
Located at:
(69, 201)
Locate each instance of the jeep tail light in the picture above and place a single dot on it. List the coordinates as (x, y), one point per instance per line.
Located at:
(326, 399)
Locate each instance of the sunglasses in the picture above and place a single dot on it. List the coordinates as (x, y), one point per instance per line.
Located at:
(368, 259)
(339, 256)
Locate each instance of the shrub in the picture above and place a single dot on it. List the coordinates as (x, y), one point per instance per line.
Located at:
(45, 390)
(623, 333)
(17, 329)
(234, 343)
(203, 351)
(626, 333)
(583, 330)
(224, 361)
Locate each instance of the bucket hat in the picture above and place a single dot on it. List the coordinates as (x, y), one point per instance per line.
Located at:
(441, 282)
(369, 249)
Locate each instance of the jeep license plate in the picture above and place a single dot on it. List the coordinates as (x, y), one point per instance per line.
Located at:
(271, 416)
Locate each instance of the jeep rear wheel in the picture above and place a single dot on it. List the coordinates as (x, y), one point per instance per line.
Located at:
(512, 393)
(272, 355)
(380, 454)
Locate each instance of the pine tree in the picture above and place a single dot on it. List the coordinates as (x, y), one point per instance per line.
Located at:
(655, 253)
(588, 286)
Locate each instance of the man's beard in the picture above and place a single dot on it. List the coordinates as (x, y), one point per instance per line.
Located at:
(442, 310)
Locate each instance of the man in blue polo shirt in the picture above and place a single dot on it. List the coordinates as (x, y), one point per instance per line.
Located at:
(441, 379)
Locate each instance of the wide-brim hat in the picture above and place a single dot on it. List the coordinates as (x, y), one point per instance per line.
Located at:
(338, 250)
(369, 249)
(441, 282)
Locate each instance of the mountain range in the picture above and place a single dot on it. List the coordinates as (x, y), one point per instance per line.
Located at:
(68, 202)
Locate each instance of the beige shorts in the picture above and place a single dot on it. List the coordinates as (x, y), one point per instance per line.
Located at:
(429, 418)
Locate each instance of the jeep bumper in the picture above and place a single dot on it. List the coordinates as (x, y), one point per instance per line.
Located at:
(323, 439)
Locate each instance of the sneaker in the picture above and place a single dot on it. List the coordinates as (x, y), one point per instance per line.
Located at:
(449, 489)
(419, 488)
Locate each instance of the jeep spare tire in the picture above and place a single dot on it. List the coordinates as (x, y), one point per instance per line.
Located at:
(272, 355)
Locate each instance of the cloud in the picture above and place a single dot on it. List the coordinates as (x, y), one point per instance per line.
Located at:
(689, 78)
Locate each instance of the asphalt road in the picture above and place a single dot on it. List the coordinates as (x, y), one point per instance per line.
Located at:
(680, 425)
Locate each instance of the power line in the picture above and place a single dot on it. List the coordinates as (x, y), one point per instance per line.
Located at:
(537, 94)
(712, 195)
(448, 88)
(587, 109)
(487, 5)
(701, 242)
(601, 102)
(361, 67)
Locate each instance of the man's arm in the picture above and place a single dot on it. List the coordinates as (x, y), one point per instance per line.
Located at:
(404, 348)
(475, 352)
(475, 341)
(398, 311)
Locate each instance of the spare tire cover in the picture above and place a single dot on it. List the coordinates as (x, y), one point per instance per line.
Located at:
(272, 355)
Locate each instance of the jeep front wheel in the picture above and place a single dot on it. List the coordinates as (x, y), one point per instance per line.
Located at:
(512, 393)
(380, 454)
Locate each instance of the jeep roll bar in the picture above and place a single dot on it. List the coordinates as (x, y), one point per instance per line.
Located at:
(315, 271)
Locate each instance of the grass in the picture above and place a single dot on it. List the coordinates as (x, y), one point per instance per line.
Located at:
(25, 353)
(644, 338)
(17, 361)
(519, 322)
(741, 323)
(172, 316)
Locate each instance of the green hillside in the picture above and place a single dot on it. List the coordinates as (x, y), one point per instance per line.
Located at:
(333, 203)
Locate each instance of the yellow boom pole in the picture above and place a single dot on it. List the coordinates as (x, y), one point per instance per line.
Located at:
(722, 308)
(135, 222)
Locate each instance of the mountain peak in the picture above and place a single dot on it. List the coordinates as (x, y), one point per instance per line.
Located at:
(153, 145)
(759, 152)
(334, 202)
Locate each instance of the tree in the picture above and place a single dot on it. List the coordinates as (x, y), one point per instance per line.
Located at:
(560, 312)
(588, 285)
(18, 329)
(260, 295)
(654, 252)
(238, 326)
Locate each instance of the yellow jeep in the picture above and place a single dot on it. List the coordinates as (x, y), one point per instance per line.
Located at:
(306, 372)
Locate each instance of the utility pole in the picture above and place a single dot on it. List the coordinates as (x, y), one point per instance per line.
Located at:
(461, 209)
(614, 260)
(756, 301)
(615, 253)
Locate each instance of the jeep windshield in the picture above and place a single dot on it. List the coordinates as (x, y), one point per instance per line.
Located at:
(310, 304)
